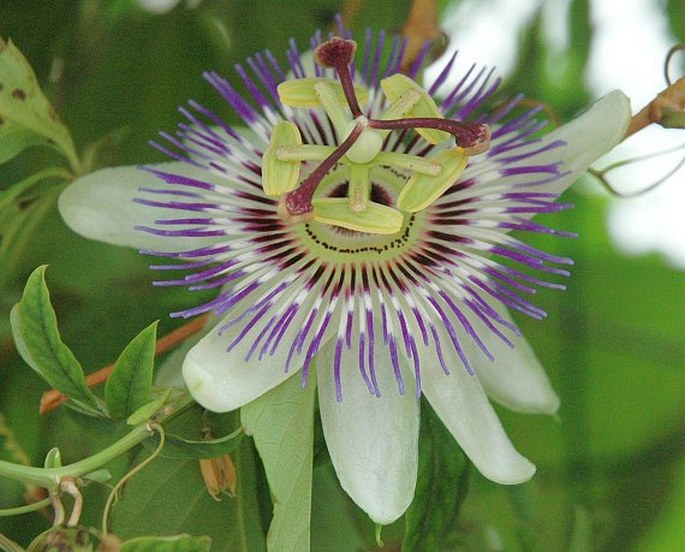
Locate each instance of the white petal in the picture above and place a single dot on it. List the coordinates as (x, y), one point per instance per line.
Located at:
(100, 206)
(516, 378)
(588, 137)
(372, 441)
(222, 381)
(462, 405)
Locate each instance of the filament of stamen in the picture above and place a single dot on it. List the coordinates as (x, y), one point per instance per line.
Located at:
(359, 187)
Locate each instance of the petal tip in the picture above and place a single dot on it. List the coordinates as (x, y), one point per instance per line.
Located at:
(510, 472)
(203, 386)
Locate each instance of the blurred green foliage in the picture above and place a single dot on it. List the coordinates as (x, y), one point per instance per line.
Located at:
(611, 469)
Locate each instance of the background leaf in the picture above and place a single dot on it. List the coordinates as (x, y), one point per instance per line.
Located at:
(179, 543)
(14, 139)
(23, 103)
(281, 423)
(34, 326)
(170, 498)
(441, 487)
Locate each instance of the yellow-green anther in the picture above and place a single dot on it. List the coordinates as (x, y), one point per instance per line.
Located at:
(396, 86)
(281, 176)
(301, 92)
(403, 105)
(375, 219)
(329, 93)
(422, 189)
(412, 163)
(359, 188)
(303, 152)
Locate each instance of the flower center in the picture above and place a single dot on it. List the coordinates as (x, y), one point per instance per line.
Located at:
(409, 107)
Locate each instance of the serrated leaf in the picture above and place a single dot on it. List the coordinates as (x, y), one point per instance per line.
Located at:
(171, 498)
(282, 425)
(440, 488)
(37, 338)
(178, 543)
(24, 106)
(129, 385)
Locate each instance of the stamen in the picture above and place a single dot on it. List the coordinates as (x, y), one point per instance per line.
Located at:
(299, 201)
(359, 188)
(304, 152)
(402, 105)
(474, 138)
(410, 107)
(338, 53)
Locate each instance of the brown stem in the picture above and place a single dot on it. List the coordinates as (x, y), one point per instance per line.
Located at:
(52, 399)
(672, 98)
(422, 25)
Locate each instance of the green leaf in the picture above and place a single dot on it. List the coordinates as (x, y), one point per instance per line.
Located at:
(336, 521)
(148, 410)
(14, 139)
(53, 459)
(178, 543)
(24, 108)
(129, 386)
(36, 335)
(282, 424)
(581, 536)
(441, 486)
(171, 498)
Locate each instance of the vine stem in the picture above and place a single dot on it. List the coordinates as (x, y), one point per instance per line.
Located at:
(672, 98)
(52, 399)
(26, 509)
(10, 545)
(110, 499)
(50, 478)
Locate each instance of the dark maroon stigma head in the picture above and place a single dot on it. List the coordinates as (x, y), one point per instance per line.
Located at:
(335, 52)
